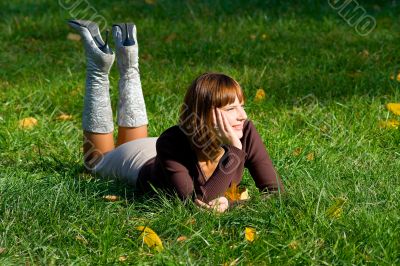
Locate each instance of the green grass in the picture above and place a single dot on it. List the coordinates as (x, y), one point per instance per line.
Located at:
(324, 95)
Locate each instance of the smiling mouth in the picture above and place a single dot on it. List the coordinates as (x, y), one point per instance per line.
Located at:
(238, 127)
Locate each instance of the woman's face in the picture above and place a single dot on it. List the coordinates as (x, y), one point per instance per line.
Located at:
(236, 116)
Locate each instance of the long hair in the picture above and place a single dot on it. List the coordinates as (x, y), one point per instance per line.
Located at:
(208, 91)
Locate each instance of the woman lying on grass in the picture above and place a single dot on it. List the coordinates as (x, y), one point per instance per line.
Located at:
(200, 158)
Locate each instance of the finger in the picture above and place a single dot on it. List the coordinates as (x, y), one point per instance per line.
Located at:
(202, 204)
(214, 117)
(225, 123)
(219, 120)
(218, 206)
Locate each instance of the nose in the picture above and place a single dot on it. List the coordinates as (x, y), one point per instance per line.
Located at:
(242, 114)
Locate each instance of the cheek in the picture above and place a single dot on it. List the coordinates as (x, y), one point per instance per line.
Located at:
(231, 118)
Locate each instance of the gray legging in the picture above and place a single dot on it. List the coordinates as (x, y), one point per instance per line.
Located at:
(124, 162)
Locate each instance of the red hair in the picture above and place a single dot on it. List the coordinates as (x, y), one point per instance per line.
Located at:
(208, 91)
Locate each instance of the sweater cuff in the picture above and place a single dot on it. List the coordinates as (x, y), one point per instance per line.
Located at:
(240, 153)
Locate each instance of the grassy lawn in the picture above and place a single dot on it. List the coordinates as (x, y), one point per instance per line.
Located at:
(326, 89)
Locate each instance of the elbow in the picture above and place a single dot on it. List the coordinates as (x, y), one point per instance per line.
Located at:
(273, 188)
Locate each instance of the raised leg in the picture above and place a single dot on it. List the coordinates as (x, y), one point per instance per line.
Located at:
(95, 146)
(132, 115)
(126, 134)
(97, 119)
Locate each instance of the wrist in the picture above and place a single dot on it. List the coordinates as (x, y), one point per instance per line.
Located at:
(237, 144)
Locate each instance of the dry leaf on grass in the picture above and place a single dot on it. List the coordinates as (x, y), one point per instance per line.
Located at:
(232, 263)
(253, 36)
(260, 95)
(250, 234)
(73, 37)
(150, 2)
(394, 108)
(392, 77)
(311, 156)
(27, 123)
(111, 198)
(122, 258)
(389, 124)
(2, 250)
(297, 151)
(170, 38)
(191, 221)
(81, 239)
(64, 117)
(181, 239)
(336, 210)
(365, 53)
(293, 245)
(236, 192)
(150, 238)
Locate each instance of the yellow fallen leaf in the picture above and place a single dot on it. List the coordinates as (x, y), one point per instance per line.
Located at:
(260, 95)
(394, 108)
(319, 243)
(111, 198)
(337, 213)
(2, 250)
(73, 37)
(181, 239)
(310, 156)
(264, 36)
(253, 36)
(250, 234)
(244, 194)
(392, 123)
(398, 77)
(365, 53)
(324, 129)
(191, 221)
(297, 151)
(150, 238)
(122, 258)
(355, 74)
(235, 192)
(81, 239)
(293, 245)
(64, 117)
(232, 263)
(27, 123)
(150, 2)
(336, 210)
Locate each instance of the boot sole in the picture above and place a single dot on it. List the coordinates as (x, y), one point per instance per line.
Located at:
(93, 29)
(127, 33)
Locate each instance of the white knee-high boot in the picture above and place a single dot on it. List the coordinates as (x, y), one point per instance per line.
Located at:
(97, 113)
(131, 104)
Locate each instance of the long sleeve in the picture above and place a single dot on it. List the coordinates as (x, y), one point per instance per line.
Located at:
(259, 163)
(173, 167)
(182, 174)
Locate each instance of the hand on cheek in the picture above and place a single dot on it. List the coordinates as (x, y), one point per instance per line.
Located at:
(224, 130)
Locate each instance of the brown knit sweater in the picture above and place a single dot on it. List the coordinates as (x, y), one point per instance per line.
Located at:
(176, 167)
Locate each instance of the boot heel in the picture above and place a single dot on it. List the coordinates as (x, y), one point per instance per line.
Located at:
(94, 31)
